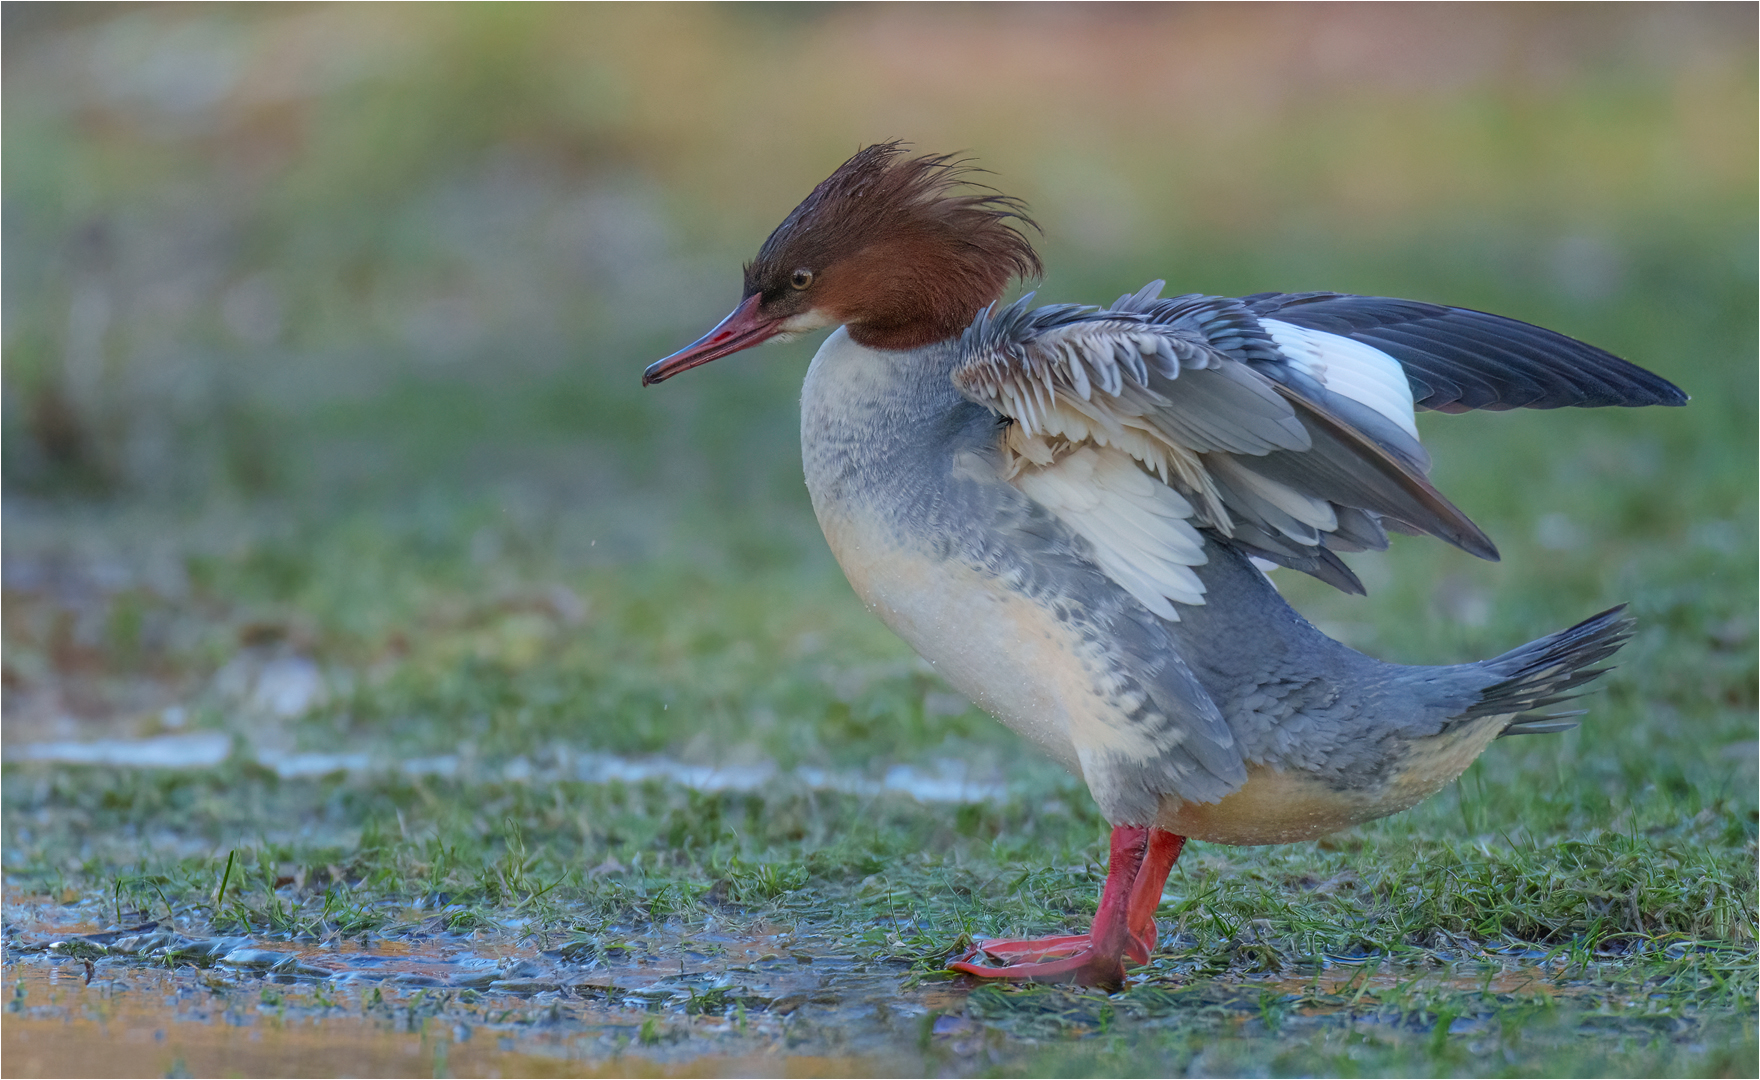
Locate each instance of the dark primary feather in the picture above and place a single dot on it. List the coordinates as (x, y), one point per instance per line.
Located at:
(1458, 359)
(1380, 482)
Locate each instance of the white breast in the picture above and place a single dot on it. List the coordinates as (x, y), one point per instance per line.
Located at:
(1010, 656)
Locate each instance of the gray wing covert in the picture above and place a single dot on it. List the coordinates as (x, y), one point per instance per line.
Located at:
(1289, 469)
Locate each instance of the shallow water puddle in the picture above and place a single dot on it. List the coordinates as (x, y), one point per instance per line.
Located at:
(636, 1000)
(172, 1023)
(145, 999)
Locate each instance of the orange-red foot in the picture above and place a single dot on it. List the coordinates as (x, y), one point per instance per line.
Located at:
(1123, 927)
(1083, 963)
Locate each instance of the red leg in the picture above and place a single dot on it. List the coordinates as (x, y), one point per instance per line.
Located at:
(1124, 926)
(1158, 860)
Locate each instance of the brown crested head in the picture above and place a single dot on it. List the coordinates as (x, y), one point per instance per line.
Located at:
(902, 250)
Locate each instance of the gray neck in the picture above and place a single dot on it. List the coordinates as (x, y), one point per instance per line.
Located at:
(886, 437)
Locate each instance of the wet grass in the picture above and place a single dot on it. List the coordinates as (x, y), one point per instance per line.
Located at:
(1394, 950)
(1612, 868)
(562, 857)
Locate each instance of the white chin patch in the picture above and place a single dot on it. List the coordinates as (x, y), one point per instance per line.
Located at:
(804, 323)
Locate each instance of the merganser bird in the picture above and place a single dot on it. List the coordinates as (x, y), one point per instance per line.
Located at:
(1058, 507)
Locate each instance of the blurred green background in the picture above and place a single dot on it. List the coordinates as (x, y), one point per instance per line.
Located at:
(323, 329)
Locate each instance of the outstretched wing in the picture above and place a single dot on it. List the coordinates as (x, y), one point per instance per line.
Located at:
(1456, 359)
(1293, 469)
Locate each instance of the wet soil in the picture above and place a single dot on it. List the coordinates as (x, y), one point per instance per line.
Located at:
(150, 999)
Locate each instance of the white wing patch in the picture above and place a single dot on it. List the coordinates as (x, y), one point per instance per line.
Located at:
(1137, 525)
(1345, 366)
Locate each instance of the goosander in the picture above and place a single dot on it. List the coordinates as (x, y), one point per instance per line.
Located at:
(1060, 508)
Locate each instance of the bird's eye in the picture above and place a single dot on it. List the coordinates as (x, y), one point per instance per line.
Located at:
(802, 278)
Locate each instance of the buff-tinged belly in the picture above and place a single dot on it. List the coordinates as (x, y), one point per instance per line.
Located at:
(1282, 806)
(1009, 655)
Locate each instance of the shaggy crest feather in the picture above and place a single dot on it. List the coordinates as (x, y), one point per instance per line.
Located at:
(904, 250)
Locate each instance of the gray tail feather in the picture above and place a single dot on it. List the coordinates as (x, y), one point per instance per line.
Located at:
(1545, 672)
(1539, 723)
